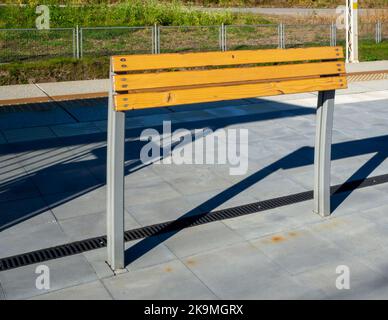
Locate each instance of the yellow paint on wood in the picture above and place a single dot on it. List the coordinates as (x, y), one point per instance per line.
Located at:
(219, 76)
(182, 96)
(182, 60)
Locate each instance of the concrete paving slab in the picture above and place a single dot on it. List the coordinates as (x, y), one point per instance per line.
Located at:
(32, 115)
(256, 275)
(146, 253)
(2, 138)
(361, 199)
(196, 240)
(352, 233)
(160, 211)
(20, 91)
(92, 225)
(2, 295)
(143, 193)
(60, 179)
(75, 129)
(29, 226)
(97, 260)
(75, 87)
(367, 66)
(376, 260)
(87, 110)
(260, 224)
(269, 188)
(28, 134)
(191, 181)
(14, 182)
(298, 250)
(170, 280)
(70, 205)
(365, 283)
(20, 283)
(88, 291)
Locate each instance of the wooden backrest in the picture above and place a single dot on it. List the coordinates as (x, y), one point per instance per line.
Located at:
(146, 81)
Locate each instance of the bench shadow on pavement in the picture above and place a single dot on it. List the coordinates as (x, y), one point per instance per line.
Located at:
(93, 163)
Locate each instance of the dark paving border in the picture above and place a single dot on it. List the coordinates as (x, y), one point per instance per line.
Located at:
(179, 224)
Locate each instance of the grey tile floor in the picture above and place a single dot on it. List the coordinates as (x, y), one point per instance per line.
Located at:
(52, 191)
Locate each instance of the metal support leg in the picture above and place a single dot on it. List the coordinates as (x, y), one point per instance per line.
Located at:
(115, 186)
(322, 161)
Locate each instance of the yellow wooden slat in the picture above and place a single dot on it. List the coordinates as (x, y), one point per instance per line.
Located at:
(187, 78)
(174, 97)
(181, 60)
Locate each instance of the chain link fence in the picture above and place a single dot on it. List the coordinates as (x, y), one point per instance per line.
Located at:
(104, 41)
(251, 37)
(33, 44)
(189, 38)
(384, 31)
(307, 35)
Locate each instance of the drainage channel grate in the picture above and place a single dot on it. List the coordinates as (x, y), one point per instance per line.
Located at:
(77, 247)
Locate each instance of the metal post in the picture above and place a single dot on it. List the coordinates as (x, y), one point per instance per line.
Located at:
(352, 31)
(115, 184)
(74, 44)
(378, 32)
(222, 37)
(153, 40)
(283, 36)
(333, 34)
(77, 42)
(156, 39)
(225, 43)
(81, 40)
(322, 155)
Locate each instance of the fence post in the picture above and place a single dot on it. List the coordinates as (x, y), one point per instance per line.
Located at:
(378, 32)
(155, 39)
(279, 35)
(81, 43)
(333, 34)
(283, 36)
(77, 41)
(74, 44)
(222, 37)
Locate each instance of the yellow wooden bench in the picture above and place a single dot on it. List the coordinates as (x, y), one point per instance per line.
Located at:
(147, 81)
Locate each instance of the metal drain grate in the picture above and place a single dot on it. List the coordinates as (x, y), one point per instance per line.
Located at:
(176, 225)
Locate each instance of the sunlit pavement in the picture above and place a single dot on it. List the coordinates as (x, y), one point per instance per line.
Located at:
(52, 191)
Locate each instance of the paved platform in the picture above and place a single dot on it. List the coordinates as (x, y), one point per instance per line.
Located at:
(52, 191)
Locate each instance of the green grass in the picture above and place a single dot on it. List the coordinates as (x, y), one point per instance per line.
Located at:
(51, 70)
(128, 13)
(370, 51)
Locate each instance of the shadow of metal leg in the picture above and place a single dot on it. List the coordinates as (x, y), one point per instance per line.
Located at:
(322, 154)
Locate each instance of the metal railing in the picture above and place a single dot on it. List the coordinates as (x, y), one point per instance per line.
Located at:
(78, 42)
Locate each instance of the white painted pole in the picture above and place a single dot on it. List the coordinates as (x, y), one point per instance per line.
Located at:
(352, 31)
